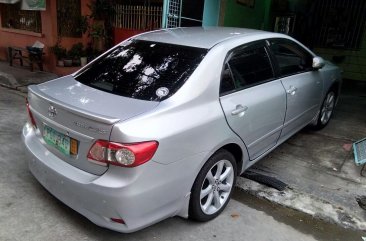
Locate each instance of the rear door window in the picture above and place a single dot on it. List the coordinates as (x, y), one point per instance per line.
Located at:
(227, 83)
(143, 70)
(249, 66)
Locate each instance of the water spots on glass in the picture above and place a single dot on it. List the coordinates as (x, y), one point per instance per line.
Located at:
(166, 62)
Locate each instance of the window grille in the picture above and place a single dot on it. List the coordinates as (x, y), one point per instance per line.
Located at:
(13, 17)
(138, 17)
(69, 18)
(339, 23)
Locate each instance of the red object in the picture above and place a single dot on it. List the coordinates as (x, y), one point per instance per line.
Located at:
(347, 146)
(104, 152)
(121, 34)
(118, 220)
(30, 115)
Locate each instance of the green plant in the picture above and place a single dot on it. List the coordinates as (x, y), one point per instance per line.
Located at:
(76, 51)
(58, 51)
(104, 10)
(83, 53)
(97, 31)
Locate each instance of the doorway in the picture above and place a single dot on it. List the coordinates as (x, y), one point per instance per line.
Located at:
(184, 13)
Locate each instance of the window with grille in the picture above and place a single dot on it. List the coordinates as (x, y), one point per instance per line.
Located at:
(12, 17)
(142, 15)
(69, 18)
(339, 23)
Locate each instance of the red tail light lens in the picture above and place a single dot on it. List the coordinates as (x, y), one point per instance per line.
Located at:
(118, 220)
(126, 155)
(30, 115)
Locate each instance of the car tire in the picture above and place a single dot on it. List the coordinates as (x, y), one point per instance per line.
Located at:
(213, 187)
(326, 110)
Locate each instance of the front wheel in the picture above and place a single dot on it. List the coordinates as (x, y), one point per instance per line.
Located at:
(326, 110)
(213, 186)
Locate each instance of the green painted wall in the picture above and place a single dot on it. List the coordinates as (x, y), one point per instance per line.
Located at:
(237, 15)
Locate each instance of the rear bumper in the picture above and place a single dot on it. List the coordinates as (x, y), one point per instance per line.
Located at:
(140, 196)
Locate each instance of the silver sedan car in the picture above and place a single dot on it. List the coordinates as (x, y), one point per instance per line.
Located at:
(162, 124)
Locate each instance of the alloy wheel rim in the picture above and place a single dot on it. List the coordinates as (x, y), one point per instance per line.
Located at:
(216, 187)
(328, 107)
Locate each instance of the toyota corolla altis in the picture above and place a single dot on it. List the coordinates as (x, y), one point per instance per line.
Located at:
(161, 124)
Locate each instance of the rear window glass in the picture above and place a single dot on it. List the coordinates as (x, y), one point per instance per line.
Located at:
(143, 70)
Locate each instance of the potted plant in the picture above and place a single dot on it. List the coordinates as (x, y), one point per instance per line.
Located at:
(68, 59)
(97, 33)
(75, 53)
(83, 58)
(60, 53)
(89, 52)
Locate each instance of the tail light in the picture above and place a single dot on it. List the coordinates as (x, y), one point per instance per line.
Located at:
(118, 220)
(30, 115)
(118, 154)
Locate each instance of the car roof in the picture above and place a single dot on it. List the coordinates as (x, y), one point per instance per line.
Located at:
(201, 37)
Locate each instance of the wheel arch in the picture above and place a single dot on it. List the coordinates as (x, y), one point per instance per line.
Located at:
(235, 149)
(336, 87)
(237, 152)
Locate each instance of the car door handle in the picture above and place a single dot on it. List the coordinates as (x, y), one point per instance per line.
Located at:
(291, 90)
(239, 109)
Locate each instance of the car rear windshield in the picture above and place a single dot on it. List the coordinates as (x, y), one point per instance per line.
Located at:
(142, 69)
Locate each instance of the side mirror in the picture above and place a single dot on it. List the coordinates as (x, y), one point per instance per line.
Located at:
(318, 62)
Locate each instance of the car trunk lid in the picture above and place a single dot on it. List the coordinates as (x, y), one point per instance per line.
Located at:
(66, 110)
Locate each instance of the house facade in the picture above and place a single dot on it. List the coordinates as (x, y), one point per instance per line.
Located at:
(21, 28)
(333, 29)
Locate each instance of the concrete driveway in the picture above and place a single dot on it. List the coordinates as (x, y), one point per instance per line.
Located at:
(29, 212)
(319, 166)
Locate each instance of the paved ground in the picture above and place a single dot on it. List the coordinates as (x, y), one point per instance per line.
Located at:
(29, 212)
(18, 77)
(318, 167)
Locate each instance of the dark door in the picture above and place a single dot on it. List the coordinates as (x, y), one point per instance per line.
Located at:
(184, 13)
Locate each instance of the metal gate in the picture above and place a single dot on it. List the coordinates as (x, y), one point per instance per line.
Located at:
(173, 15)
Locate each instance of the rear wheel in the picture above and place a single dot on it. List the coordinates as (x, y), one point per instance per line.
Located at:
(213, 186)
(326, 110)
